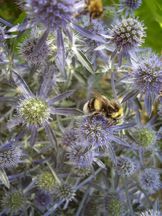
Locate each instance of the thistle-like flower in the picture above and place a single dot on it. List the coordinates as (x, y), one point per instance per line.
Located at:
(14, 202)
(51, 13)
(146, 78)
(151, 213)
(82, 154)
(65, 192)
(144, 136)
(10, 155)
(69, 138)
(36, 111)
(127, 34)
(113, 205)
(125, 166)
(42, 200)
(150, 180)
(46, 181)
(28, 49)
(130, 4)
(100, 131)
(94, 130)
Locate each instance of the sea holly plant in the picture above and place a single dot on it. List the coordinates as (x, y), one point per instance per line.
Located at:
(36, 111)
(80, 110)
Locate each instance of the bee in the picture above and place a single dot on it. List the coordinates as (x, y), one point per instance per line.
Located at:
(101, 105)
(94, 7)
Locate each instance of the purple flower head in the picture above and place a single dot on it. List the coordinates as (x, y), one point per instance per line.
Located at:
(147, 74)
(10, 155)
(37, 111)
(126, 35)
(51, 13)
(100, 131)
(82, 154)
(42, 200)
(150, 180)
(125, 166)
(146, 79)
(69, 138)
(130, 4)
(31, 54)
(94, 130)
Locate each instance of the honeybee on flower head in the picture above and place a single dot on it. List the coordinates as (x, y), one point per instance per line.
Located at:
(99, 104)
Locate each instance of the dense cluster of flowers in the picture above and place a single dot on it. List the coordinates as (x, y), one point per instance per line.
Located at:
(81, 110)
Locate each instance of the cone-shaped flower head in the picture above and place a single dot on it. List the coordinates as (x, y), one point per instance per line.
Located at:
(14, 202)
(150, 180)
(51, 13)
(127, 34)
(10, 155)
(125, 166)
(30, 52)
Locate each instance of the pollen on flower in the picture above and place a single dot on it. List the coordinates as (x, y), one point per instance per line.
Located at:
(34, 111)
(144, 137)
(31, 54)
(65, 192)
(113, 205)
(46, 181)
(129, 33)
(14, 201)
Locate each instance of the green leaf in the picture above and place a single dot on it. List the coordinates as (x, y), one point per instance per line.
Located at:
(151, 13)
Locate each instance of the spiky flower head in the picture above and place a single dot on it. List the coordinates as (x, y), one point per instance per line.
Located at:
(14, 202)
(51, 13)
(113, 205)
(130, 4)
(42, 200)
(129, 33)
(150, 180)
(144, 136)
(82, 154)
(69, 138)
(125, 166)
(151, 213)
(10, 155)
(32, 54)
(147, 74)
(94, 130)
(46, 181)
(65, 192)
(34, 111)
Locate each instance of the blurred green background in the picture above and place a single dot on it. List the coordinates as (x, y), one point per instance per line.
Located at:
(150, 12)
